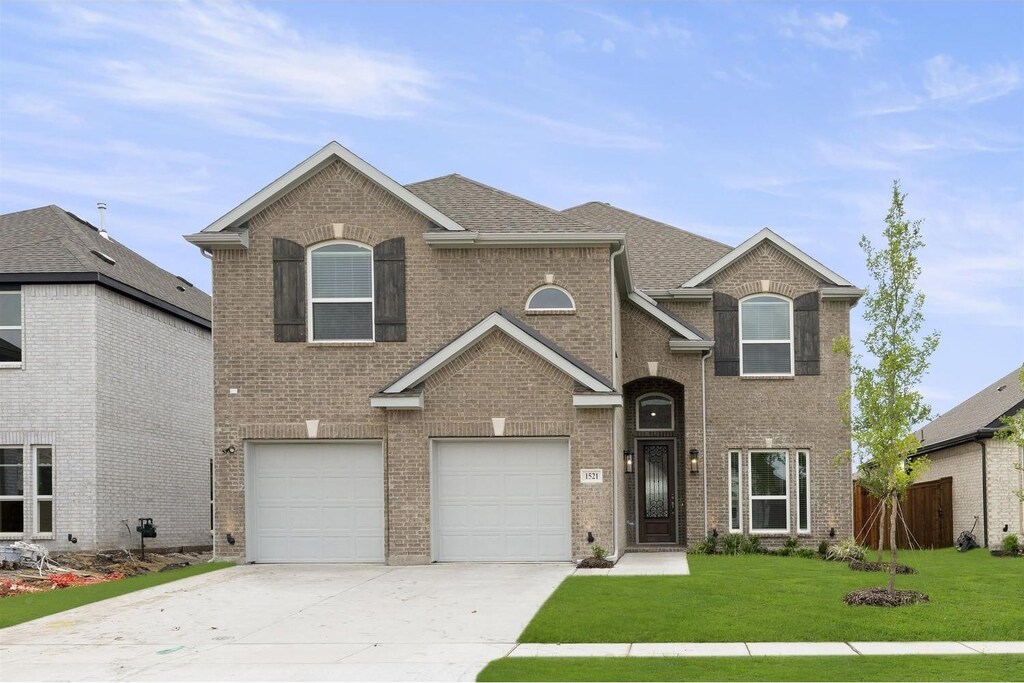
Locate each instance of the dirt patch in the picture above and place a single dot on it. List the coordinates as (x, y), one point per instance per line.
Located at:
(594, 563)
(860, 566)
(879, 597)
(81, 568)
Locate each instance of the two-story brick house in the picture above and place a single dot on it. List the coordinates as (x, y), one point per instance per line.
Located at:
(444, 372)
(106, 390)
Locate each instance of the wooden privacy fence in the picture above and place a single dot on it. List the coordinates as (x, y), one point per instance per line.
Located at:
(925, 516)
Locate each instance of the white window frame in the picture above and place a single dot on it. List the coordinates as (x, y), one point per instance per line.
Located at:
(20, 327)
(738, 529)
(806, 455)
(671, 412)
(572, 301)
(751, 497)
(339, 300)
(16, 534)
(36, 497)
(792, 353)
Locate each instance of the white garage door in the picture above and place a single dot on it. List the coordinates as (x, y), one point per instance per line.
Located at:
(316, 502)
(501, 501)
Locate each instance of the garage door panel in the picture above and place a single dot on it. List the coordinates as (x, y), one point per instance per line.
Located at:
(320, 502)
(501, 501)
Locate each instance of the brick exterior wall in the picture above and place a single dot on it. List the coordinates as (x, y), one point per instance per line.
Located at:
(154, 424)
(123, 394)
(281, 385)
(963, 463)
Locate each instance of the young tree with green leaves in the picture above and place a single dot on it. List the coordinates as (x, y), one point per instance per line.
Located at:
(1013, 429)
(886, 404)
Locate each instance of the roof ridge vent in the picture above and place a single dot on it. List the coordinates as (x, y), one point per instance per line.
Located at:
(103, 257)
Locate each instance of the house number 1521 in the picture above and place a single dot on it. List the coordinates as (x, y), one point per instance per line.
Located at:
(591, 476)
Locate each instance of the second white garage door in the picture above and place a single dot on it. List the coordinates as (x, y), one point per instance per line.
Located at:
(501, 501)
(316, 502)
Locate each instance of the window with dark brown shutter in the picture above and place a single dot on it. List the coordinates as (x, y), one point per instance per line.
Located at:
(806, 334)
(289, 291)
(389, 290)
(727, 335)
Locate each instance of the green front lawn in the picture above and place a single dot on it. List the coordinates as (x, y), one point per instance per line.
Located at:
(901, 668)
(16, 609)
(974, 596)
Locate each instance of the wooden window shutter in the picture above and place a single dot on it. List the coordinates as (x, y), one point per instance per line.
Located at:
(289, 291)
(806, 337)
(727, 335)
(389, 290)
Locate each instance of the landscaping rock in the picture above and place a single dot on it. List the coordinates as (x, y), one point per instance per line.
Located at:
(879, 597)
(860, 566)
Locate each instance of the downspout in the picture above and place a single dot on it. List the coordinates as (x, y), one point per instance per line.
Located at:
(704, 430)
(616, 457)
(984, 489)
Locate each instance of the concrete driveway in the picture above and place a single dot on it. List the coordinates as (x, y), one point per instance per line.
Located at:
(291, 622)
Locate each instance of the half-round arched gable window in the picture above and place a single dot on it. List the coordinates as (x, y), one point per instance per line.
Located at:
(341, 292)
(550, 298)
(766, 335)
(655, 412)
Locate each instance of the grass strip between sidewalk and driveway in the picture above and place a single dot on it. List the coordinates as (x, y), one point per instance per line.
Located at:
(837, 668)
(17, 609)
(759, 598)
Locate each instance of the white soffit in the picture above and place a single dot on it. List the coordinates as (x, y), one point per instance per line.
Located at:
(332, 150)
(766, 234)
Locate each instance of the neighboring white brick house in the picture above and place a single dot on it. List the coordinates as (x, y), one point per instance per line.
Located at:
(985, 471)
(109, 378)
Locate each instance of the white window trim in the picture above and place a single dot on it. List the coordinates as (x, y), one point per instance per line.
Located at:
(339, 300)
(751, 497)
(792, 352)
(17, 534)
(36, 497)
(671, 412)
(572, 301)
(21, 327)
(738, 529)
(807, 469)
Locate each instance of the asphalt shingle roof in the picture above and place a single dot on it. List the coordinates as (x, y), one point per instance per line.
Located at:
(51, 240)
(978, 412)
(662, 256)
(483, 208)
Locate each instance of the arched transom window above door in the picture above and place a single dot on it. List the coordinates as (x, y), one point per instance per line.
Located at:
(655, 413)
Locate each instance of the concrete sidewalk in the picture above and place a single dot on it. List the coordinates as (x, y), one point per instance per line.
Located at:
(665, 563)
(766, 649)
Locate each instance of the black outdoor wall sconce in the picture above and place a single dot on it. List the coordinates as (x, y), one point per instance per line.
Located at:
(230, 539)
(832, 532)
(590, 537)
(628, 455)
(694, 466)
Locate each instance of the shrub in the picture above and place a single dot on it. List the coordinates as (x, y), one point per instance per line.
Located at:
(1011, 544)
(752, 545)
(792, 542)
(806, 552)
(708, 546)
(823, 548)
(732, 544)
(844, 551)
(599, 552)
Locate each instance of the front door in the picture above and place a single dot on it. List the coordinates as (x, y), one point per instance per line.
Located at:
(656, 495)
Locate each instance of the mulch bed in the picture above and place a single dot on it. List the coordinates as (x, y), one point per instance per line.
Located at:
(594, 563)
(879, 597)
(859, 566)
(1003, 553)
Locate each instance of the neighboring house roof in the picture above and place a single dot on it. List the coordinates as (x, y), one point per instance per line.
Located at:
(48, 244)
(484, 208)
(402, 393)
(766, 235)
(305, 170)
(977, 416)
(661, 255)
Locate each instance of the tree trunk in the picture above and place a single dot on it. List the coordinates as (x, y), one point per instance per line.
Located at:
(894, 501)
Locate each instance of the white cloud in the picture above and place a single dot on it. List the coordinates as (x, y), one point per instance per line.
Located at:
(607, 45)
(959, 86)
(647, 27)
(579, 134)
(234, 66)
(570, 38)
(831, 31)
(41, 110)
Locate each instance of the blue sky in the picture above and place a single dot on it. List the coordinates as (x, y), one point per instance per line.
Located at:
(719, 118)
